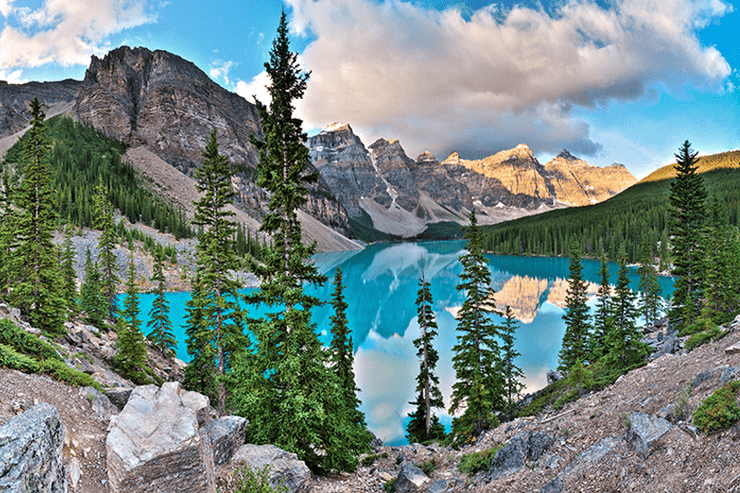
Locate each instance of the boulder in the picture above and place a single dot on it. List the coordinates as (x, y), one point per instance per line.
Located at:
(555, 485)
(553, 376)
(226, 435)
(155, 444)
(511, 457)
(31, 452)
(285, 466)
(645, 430)
(410, 478)
(442, 485)
(728, 374)
(701, 378)
(100, 403)
(118, 396)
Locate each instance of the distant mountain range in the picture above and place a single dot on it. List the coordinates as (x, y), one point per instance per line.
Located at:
(163, 107)
(402, 195)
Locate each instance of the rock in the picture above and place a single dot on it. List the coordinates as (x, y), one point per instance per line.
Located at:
(734, 349)
(538, 444)
(555, 485)
(155, 445)
(285, 466)
(645, 430)
(118, 396)
(410, 478)
(100, 402)
(553, 376)
(75, 472)
(227, 435)
(31, 452)
(701, 378)
(442, 485)
(728, 374)
(509, 458)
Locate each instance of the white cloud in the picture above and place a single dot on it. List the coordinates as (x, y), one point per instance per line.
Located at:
(220, 70)
(12, 77)
(66, 32)
(257, 87)
(398, 70)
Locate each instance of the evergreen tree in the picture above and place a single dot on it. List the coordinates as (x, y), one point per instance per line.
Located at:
(131, 358)
(650, 301)
(602, 316)
(478, 388)
(424, 424)
(687, 199)
(623, 342)
(286, 388)
(216, 261)
(36, 287)
(199, 374)
(577, 326)
(342, 352)
(512, 373)
(92, 303)
(107, 245)
(8, 240)
(159, 324)
(69, 276)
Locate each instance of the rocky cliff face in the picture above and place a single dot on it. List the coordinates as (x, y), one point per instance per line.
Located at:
(14, 114)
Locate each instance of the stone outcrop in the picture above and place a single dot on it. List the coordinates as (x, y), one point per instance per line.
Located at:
(226, 435)
(15, 98)
(285, 468)
(31, 452)
(158, 442)
(410, 478)
(511, 458)
(644, 431)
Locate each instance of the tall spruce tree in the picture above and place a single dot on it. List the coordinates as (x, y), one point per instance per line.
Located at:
(36, 280)
(650, 300)
(131, 358)
(424, 424)
(602, 315)
(511, 372)
(69, 275)
(623, 342)
(92, 303)
(8, 240)
(286, 388)
(577, 326)
(200, 372)
(159, 324)
(688, 209)
(217, 261)
(476, 355)
(104, 221)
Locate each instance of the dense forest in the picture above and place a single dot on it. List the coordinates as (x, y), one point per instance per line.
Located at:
(620, 222)
(79, 158)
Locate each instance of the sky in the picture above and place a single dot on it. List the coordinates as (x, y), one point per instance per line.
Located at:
(624, 81)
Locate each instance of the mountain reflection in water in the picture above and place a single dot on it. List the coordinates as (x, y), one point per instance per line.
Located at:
(381, 283)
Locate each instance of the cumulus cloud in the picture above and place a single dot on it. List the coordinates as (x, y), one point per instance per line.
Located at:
(66, 32)
(220, 70)
(444, 81)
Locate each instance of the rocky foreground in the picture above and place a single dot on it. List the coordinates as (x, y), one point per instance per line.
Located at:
(635, 435)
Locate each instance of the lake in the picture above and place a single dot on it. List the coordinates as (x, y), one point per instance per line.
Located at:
(381, 283)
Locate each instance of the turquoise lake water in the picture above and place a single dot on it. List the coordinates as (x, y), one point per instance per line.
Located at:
(381, 283)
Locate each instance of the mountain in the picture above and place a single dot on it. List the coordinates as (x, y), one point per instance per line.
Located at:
(164, 108)
(401, 196)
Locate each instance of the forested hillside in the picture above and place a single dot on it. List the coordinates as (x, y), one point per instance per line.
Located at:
(621, 221)
(80, 157)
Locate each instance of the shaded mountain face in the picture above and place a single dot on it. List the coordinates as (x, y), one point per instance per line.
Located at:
(402, 195)
(159, 101)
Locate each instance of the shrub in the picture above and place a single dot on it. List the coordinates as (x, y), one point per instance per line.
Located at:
(699, 338)
(59, 370)
(477, 461)
(25, 343)
(720, 410)
(429, 466)
(10, 358)
(390, 485)
(248, 480)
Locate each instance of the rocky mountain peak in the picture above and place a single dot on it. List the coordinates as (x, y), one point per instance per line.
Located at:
(426, 157)
(453, 158)
(567, 156)
(338, 127)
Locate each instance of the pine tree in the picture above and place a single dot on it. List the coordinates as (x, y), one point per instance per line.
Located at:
(216, 261)
(107, 245)
(92, 303)
(342, 352)
(199, 374)
(36, 286)
(603, 315)
(512, 373)
(286, 389)
(577, 326)
(424, 424)
(623, 342)
(478, 389)
(131, 358)
(650, 301)
(159, 323)
(69, 276)
(8, 240)
(687, 198)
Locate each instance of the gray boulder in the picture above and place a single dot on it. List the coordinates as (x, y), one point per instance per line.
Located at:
(553, 376)
(31, 452)
(285, 466)
(227, 435)
(511, 457)
(701, 378)
(155, 444)
(555, 485)
(410, 478)
(118, 396)
(100, 402)
(442, 485)
(645, 430)
(728, 374)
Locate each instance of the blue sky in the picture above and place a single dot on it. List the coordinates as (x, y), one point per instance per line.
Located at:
(612, 81)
